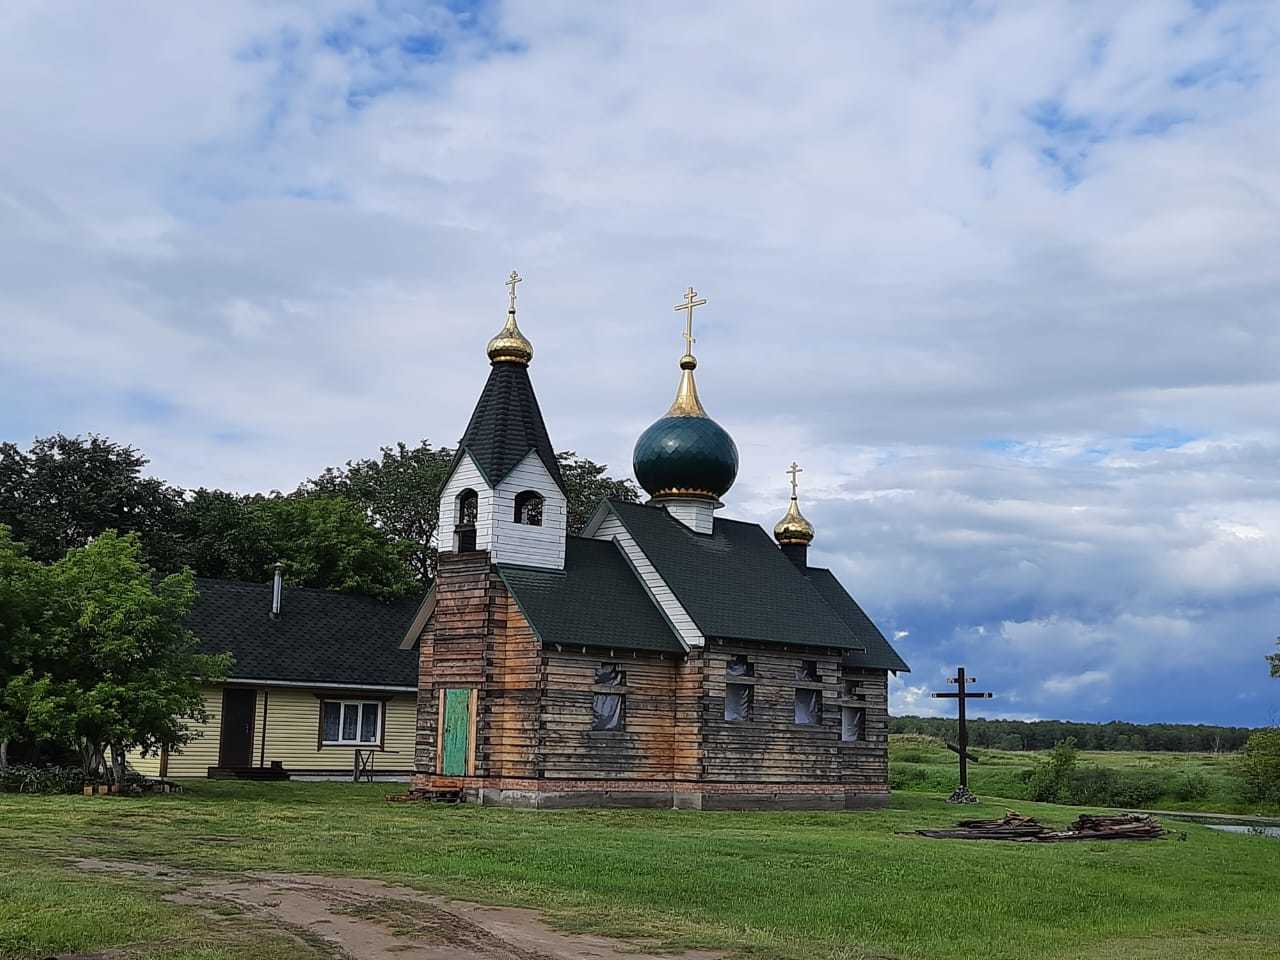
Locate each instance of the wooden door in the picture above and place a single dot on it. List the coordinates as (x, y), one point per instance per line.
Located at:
(455, 738)
(238, 710)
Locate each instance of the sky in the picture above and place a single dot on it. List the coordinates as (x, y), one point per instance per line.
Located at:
(1004, 278)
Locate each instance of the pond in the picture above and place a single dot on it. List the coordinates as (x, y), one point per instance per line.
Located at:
(1251, 829)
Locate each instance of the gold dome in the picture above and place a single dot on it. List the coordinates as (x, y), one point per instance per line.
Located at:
(793, 528)
(510, 345)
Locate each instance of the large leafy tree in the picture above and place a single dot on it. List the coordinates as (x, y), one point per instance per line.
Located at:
(120, 670)
(64, 491)
(323, 541)
(399, 491)
(587, 484)
(22, 594)
(1274, 660)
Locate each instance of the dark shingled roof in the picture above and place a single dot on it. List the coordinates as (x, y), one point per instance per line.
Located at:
(597, 600)
(879, 652)
(736, 583)
(505, 425)
(320, 637)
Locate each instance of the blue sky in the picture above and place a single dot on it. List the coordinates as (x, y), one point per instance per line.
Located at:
(1003, 277)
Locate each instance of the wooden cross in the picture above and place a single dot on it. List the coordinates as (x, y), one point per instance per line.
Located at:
(691, 300)
(515, 278)
(961, 695)
(793, 470)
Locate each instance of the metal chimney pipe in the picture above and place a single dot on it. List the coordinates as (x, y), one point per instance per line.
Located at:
(277, 590)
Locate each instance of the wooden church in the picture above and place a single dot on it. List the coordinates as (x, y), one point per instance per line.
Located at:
(667, 657)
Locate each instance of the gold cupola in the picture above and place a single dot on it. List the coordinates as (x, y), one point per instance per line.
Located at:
(793, 528)
(510, 345)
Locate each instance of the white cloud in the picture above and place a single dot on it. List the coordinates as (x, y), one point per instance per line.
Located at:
(958, 259)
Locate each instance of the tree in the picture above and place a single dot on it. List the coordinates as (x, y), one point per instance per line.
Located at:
(21, 597)
(66, 490)
(586, 485)
(324, 541)
(1260, 767)
(1274, 660)
(122, 671)
(400, 494)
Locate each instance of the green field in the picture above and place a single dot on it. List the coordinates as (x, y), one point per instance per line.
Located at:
(1159, 781)
(837, 885)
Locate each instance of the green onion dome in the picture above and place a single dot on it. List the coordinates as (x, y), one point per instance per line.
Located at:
(686, 453)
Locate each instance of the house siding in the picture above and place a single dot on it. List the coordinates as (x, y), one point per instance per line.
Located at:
(292, 722)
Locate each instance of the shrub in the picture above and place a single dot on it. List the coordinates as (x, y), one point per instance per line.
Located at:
(1260, 767)
(1191, 786)
(1049, 780)
(22, 778)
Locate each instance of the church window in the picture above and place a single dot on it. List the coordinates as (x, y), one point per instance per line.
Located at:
(350, 722)
(608, 708)
(807, 670)
(808, 705)
(529, 508)
(853, 721)
(468, 509)
(739, 689)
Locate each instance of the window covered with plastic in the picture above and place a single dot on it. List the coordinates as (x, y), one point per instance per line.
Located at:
(853, 721)
(608, 710)
(808, 706)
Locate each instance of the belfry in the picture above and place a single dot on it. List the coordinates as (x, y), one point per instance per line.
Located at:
(664, 656)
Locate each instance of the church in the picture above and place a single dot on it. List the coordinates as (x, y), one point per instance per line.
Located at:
(666, 657)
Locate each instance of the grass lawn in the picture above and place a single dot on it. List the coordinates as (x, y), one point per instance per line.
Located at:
(758, 884)
(1188, 781)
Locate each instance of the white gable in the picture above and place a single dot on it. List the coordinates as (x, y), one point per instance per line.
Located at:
(511, 542)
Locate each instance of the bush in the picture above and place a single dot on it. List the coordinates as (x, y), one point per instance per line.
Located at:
(22, 778)
(1191, 786)
(1260, 768)
(1048, 781)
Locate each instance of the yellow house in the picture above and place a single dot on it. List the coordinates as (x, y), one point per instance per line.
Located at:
(317, 677)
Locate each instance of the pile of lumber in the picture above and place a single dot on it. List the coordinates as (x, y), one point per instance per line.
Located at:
(1014, 826)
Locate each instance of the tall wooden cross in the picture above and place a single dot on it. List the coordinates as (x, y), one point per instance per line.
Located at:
(794, 469)
(511, 282)
(961, 696)
(691, 300)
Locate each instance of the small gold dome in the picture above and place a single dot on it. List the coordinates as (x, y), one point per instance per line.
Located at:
(793, 528)
(510, 345)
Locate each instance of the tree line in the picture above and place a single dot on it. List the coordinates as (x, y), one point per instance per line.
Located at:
(367, 526)
(1115, 735)
(97, 576)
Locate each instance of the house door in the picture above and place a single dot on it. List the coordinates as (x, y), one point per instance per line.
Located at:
(455, 734)
(238, 709)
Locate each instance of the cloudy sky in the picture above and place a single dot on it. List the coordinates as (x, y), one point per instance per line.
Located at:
(1003, 277)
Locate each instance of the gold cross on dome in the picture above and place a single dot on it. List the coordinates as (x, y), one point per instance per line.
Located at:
(794, 469)
(515, 278)
(691, 300)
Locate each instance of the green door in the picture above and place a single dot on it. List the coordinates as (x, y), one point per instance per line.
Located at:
(457, 732)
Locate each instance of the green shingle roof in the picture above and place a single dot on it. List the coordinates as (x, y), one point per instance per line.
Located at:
(597, 600)
(736, 584)
(879, 652)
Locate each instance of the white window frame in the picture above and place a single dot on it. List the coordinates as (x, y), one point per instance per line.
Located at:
(359, 705)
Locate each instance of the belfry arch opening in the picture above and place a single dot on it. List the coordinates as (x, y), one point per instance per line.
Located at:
(529, 507)
(467, 508)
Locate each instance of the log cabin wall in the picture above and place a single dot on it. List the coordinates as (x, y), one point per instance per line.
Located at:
(772, 748)
(509, 703)
(641, 751)
(452, 647)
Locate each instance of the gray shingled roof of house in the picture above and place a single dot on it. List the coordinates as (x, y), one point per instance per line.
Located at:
(505, 425)
(597, 600)
(736, 584)
(320, 637)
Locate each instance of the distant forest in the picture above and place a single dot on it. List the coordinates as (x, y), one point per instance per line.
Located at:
(1043, 734)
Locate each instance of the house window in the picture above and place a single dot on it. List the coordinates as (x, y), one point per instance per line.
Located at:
(807, 670)
(468, 509)
(808, 705)
(738, 696)
(529, 508)
(609, 710)
(853, 722)
(350, 722)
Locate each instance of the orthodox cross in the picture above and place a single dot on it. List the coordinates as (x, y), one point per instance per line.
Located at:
(515, 278)
(691, 300)
(793, 470)
(961, 695)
